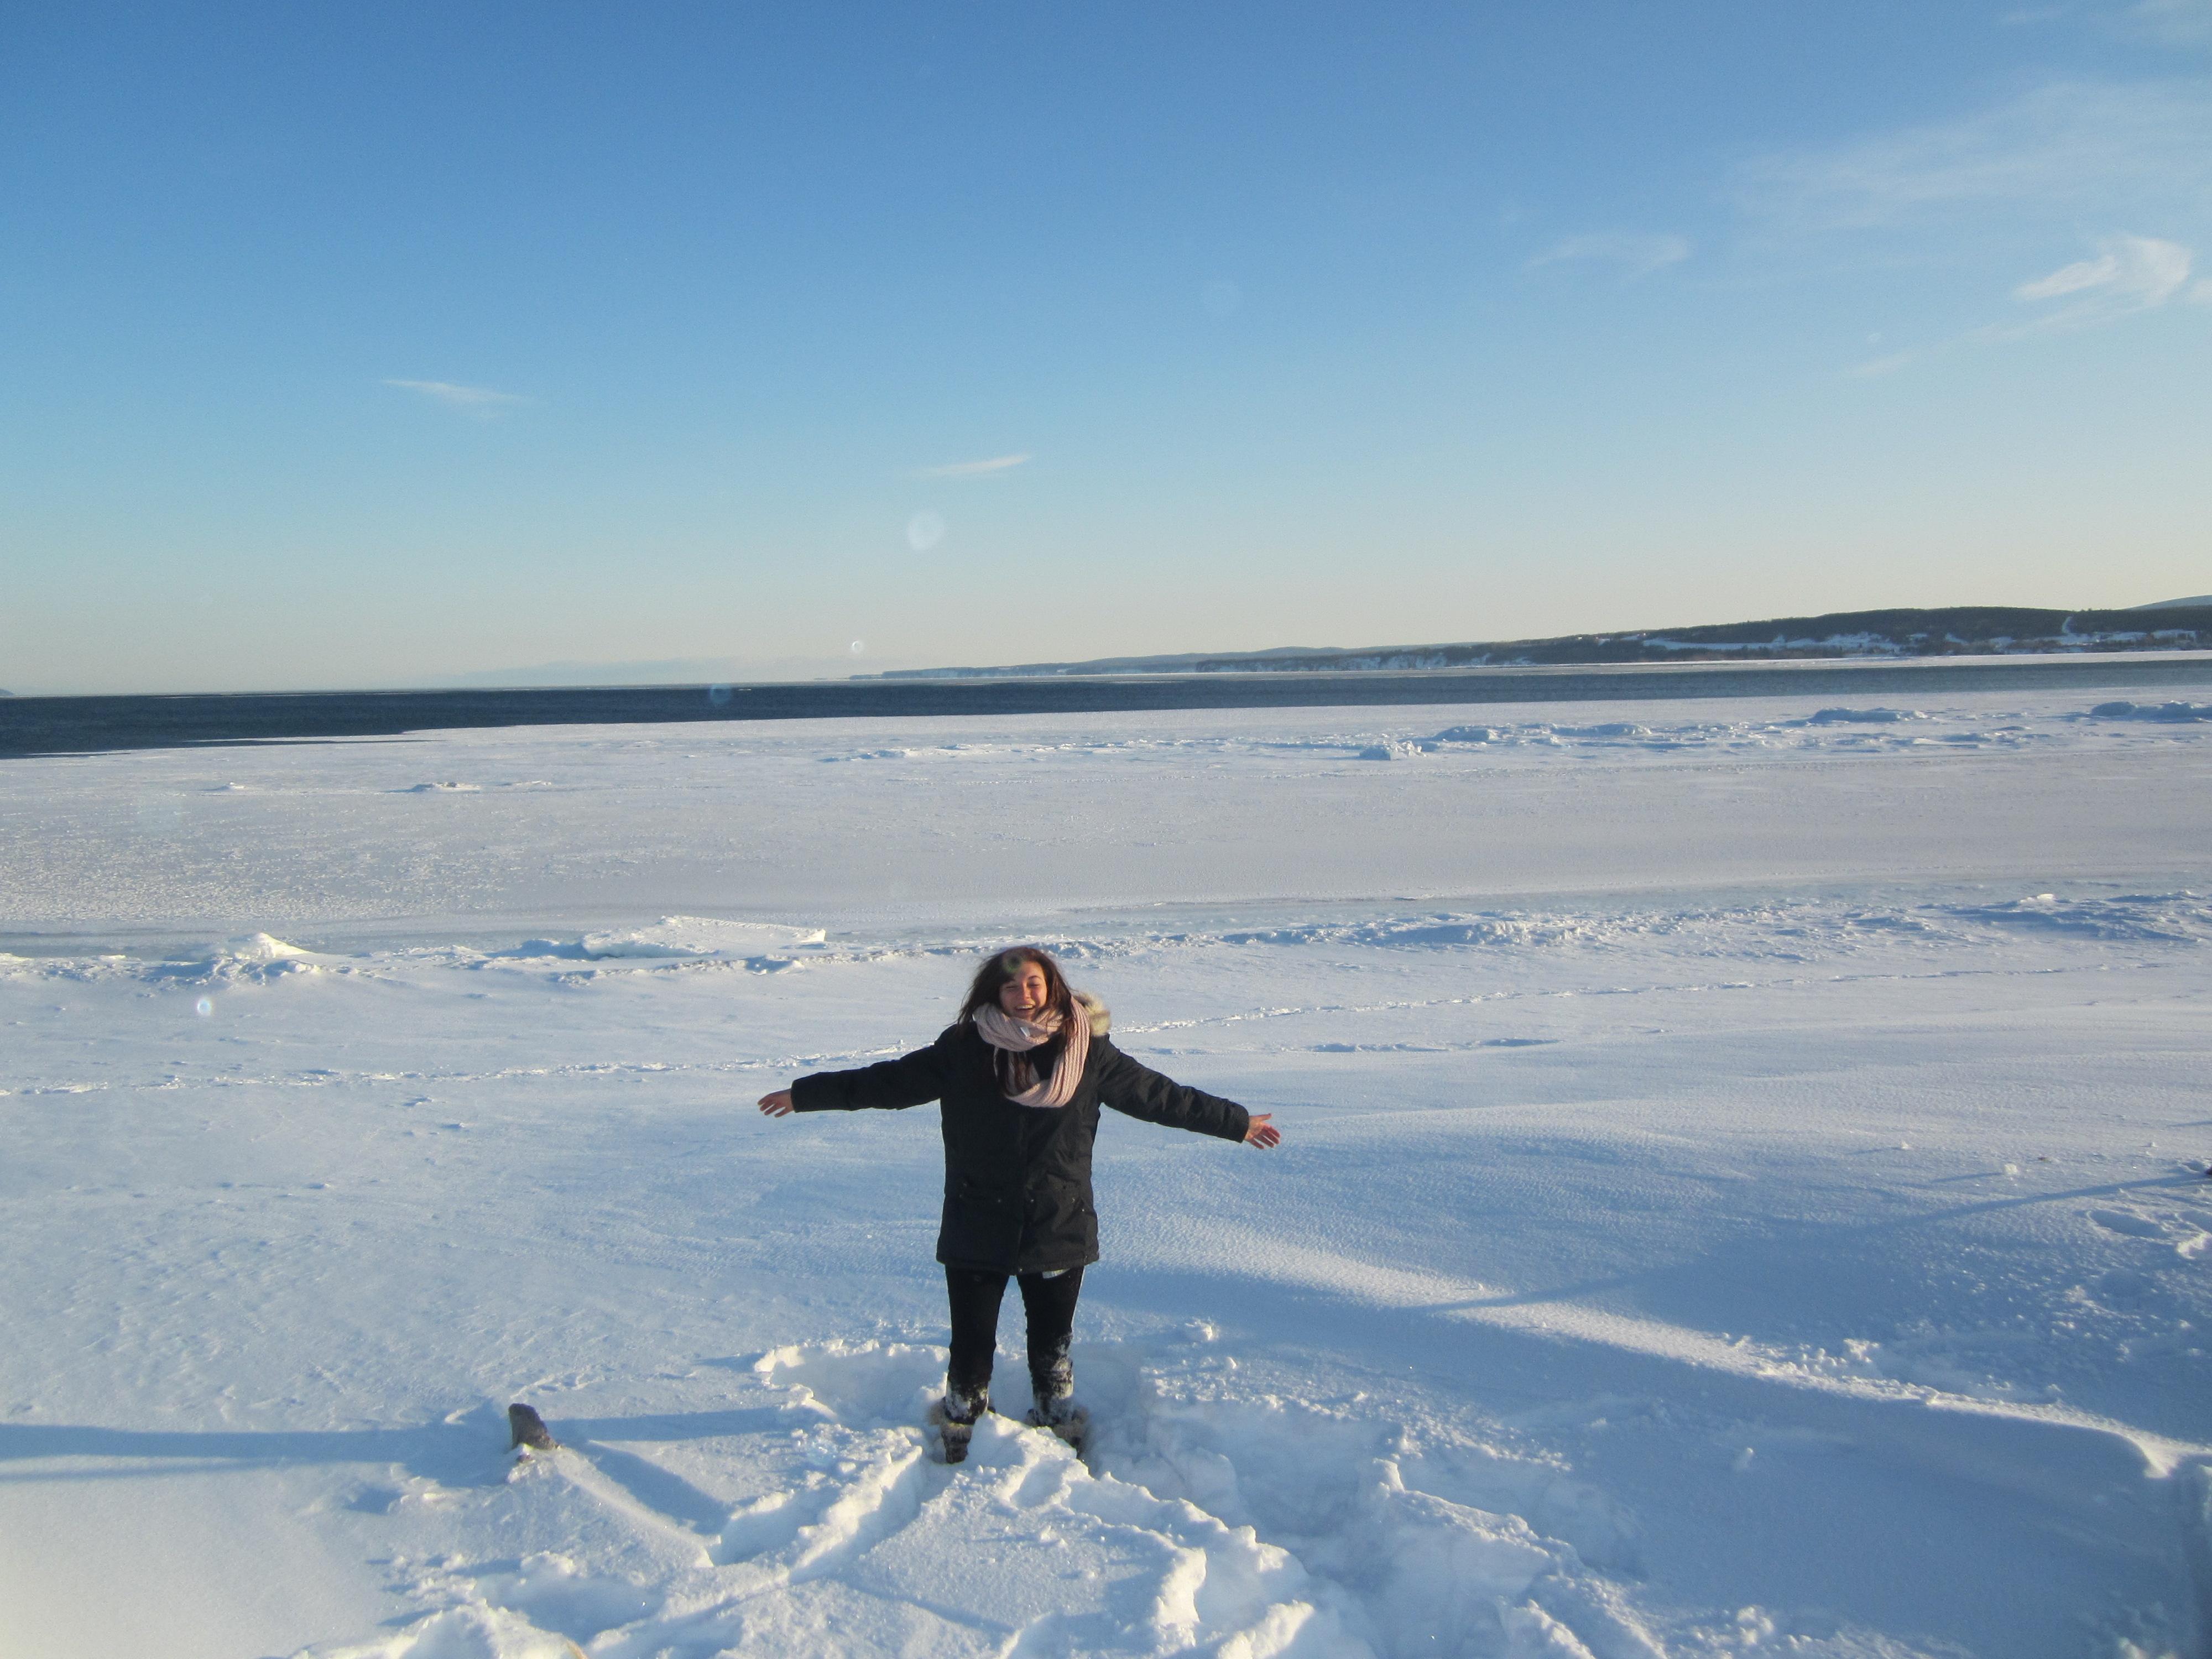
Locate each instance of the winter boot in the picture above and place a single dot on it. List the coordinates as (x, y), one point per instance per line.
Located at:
(1060, 1414)
(955, 1416)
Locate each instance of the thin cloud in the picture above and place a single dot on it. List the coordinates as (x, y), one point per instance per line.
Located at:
(991, 468)
(1638, 255)
(2071, 279)
(2179, 23)
(2058, 149)
(2129, 274)
(480, 401)
(1874, 368)
(2171, 22)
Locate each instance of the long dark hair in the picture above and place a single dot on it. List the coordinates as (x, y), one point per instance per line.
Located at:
(983, 990)
(1017, 1072)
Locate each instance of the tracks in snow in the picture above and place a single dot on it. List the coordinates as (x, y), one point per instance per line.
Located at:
(1214, 1518)
(1392, 1544)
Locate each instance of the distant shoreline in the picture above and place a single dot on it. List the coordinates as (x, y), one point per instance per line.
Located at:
(36, 726)
(1897, 635)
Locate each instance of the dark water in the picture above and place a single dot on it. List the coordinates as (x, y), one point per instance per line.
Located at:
(51, 726)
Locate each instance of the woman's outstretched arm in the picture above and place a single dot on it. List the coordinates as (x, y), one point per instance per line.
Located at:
(909, 1080)
(1142, 1092)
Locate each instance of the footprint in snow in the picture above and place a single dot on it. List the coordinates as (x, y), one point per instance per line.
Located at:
(2132, 1223)
(2188, 1239)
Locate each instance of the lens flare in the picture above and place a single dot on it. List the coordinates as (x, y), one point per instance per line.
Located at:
(857, 646)
(718, 694)
(924, 531)
(204, 1006)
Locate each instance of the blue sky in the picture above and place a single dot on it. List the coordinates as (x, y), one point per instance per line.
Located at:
(384, 345)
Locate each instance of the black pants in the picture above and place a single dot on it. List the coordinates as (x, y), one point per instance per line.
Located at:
(1050, 1305)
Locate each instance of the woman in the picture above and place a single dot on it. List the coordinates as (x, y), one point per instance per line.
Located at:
(1021, 1075)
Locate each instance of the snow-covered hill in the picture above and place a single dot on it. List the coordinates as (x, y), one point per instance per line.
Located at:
(1962, 630)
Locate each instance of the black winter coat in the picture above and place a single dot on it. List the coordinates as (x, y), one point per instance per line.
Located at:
(1017, 1178)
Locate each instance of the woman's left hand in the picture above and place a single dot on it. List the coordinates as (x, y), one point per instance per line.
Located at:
(1262, 1131)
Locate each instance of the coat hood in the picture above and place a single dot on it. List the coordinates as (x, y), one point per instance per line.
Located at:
(1101, 1019)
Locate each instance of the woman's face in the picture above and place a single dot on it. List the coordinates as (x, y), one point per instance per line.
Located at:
(1023, 994)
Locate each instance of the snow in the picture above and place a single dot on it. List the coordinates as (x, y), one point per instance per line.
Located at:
(1860, 644)
(701, 938)
(1743, 1188)
(2151, 711)
(1863, 716)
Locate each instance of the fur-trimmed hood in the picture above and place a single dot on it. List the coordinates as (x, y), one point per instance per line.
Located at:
(1102, 1017)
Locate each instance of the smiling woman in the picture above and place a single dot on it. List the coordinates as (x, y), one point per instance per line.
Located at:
(1021, 1075)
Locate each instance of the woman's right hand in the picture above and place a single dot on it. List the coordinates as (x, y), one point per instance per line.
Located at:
(777, 1105)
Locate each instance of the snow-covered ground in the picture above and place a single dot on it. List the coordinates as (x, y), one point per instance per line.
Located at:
(1743, 1188)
